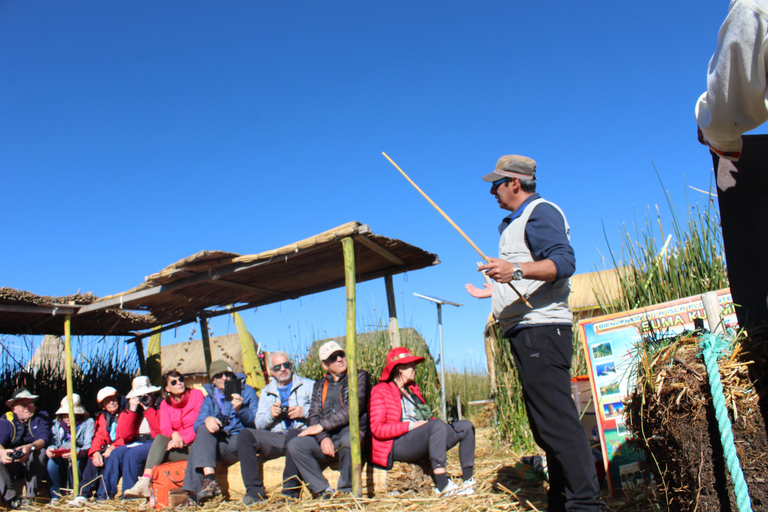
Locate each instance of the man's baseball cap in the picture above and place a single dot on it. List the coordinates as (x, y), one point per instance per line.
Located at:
(513, 166)
(327, 349)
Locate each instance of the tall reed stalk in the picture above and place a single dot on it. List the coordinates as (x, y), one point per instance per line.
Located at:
(649, 273)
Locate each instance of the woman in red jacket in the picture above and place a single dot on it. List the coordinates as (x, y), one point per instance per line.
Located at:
(178, 413)
(403, 429)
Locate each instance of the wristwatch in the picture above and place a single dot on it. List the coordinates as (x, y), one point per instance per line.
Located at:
(517, 274)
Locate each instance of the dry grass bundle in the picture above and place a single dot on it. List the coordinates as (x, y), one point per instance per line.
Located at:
(499, 488)
(673, 420)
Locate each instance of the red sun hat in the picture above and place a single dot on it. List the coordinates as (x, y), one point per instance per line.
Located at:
(399, 355)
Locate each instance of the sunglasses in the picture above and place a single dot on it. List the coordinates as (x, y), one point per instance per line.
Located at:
(173, 382)
(222, 374)
(334, 357)
(496, 184)
(287, 365)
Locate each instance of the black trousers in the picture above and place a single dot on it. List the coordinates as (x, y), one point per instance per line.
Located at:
(256, 446)
(543, 359)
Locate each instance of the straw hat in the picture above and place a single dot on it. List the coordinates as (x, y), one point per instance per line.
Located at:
(141, 386)
(396, 356)
(20, 394)
(78, 407)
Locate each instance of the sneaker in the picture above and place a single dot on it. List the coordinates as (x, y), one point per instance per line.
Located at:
(142, 488)
(253, 500)
(210, 489)
(467, 487)
(187, 504)
(55, 502)
(448, 490)
(326, 494)
(78, 502)
(22, 504)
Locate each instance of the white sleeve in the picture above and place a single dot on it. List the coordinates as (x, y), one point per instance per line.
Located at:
(735, 101)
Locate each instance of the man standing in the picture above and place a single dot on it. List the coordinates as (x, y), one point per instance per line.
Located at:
(24, 434)
(218, 424)
(283, 409)
(327, 437)
(535, 255)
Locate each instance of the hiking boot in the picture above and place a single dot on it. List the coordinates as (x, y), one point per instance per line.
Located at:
(187, 504)
(22, 504)
(210, 489)
(142, 488)
(250, 501)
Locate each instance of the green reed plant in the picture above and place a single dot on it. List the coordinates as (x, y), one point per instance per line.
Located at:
(649, 273)
(469, 384)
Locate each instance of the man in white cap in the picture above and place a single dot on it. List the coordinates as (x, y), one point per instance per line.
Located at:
(327, 439)
(535, 255)
(24, 434)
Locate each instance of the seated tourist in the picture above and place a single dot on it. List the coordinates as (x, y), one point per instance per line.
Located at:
(24, 434)
(218, 424)
(106, 438)
(60, 464)
(282, 414)
(403, 429)
(178, 412)
(141, 423)
(326, 439)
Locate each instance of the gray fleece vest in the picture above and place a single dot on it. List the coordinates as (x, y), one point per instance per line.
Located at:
(549, 300)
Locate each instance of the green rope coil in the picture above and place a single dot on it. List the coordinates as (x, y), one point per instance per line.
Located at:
(712, 347)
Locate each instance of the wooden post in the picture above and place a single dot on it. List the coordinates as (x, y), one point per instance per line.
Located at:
(351, 350)
(70, 390)
(206, 343)
(712, 309)
(154, 358)
(255, 374)
(140, 352)
(394, 329)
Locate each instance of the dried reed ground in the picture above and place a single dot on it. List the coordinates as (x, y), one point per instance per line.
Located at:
(499, 488)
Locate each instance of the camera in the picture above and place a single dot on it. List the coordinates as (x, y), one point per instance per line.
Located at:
(284, 411)
(17, 454)
(224, 420)
(146, 400)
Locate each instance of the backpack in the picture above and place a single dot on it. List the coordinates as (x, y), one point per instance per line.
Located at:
(166, 484)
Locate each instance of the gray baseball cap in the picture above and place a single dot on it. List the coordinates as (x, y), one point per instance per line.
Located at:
(513, 166)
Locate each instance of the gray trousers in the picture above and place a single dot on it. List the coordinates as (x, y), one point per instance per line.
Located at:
(32, 471)
(435, 438)
(206, 450)
(310, 461)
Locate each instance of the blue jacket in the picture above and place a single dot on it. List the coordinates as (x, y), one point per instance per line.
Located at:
(84, 434)
(301, 394)
(238, 420)
(11, 431)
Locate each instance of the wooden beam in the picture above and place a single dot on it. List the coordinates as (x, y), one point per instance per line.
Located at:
(351, 350)
(246, 287)
(206, 343)
(394, 329)
(379, 250)
(52, 309)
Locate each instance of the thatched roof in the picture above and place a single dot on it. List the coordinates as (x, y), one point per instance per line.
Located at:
(583, 288)
(187, 357)
(209, 279)
(26, 313)
(183, 291)
(50, 356)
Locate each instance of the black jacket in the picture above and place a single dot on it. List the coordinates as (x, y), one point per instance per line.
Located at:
(335, 421)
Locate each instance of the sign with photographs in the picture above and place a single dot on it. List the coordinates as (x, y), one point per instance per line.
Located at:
(610, 342)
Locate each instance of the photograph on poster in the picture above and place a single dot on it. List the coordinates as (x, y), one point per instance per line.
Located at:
(610, 389)
(613, 409)
(602, 350)
(604, 369)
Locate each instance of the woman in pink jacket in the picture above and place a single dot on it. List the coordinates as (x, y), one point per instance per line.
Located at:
(178, 413)
(403, 429)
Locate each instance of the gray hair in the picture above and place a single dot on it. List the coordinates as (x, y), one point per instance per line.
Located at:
(528, 186)
(277, 353)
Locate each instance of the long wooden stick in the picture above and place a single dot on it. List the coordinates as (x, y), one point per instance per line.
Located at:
(452, 224)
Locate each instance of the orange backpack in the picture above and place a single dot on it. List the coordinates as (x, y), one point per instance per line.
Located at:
(166, 484)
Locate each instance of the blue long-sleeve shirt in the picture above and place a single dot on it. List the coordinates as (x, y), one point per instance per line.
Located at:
(238, 420)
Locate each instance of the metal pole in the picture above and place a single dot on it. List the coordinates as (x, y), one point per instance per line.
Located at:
(442, 358)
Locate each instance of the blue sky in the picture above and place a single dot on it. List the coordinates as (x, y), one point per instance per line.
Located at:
(133, 134)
